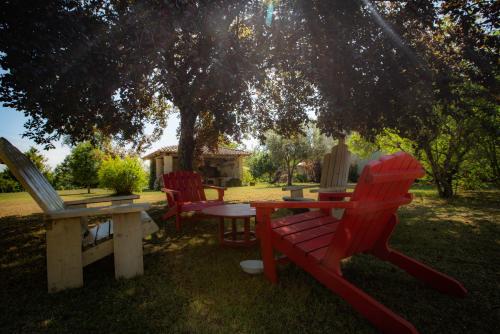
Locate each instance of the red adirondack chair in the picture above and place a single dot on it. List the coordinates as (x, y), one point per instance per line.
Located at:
(185, 193)
(317, 242)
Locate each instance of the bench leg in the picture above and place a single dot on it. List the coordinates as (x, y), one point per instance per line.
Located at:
(298, 193)
(127, 245)
(64, 254)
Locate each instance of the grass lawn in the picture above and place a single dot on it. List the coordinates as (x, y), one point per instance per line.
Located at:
(191, 284)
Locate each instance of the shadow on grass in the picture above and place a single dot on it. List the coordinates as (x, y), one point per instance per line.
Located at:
(191, 284)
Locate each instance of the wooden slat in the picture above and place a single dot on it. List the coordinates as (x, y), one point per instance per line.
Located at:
(311, 234)
(148, 225)
(97, 211)
(395, 176)
(325, 169)
(298, 205)
(296, 218)
(316, 243)
(101, 199)
(319, 254)
(188, 184)
(97, 252)
(302, 226)
(30, 177)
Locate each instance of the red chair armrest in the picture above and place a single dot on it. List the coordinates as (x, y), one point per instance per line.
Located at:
(171, 191)
(172, 195)
(220, 190)
(298, 205)
(332, 196)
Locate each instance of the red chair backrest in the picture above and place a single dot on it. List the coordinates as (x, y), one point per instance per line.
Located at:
(188, 184)
(382, 187)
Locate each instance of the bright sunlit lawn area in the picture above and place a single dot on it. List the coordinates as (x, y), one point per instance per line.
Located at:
(193, 285)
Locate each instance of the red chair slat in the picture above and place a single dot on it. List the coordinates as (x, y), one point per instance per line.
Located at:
(191, 194)
(296, 218)
(311, 234)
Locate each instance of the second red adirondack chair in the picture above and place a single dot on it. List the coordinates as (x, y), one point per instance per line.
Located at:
(186, 193)
(317, 242)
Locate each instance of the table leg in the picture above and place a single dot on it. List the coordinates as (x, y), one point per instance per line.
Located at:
(221, 230)
(235, 230)
(247, 230)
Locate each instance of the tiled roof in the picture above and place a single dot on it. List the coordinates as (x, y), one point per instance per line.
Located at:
(171, 150)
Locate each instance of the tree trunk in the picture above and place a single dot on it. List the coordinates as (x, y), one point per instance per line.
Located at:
(442, 178)
(289, 179)
(445, 187)
(276, 177)
(88, 189)
(187, 140)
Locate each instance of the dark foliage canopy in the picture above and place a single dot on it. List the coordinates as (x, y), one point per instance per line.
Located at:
(227, 66)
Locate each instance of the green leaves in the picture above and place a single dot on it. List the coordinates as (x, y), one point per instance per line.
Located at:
(124, 176)
(84, 162)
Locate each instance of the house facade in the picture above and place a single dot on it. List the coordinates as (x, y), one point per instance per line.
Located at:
(220, 167)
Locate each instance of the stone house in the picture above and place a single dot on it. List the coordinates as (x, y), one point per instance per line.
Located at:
(217, 168)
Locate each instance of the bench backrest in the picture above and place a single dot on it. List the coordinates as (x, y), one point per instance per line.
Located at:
(30, 177)
(382, 187)
(335, 169)
(187, 183)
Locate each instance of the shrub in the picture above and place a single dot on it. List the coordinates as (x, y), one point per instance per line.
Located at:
(247, 177)
(8, 184)
(301, 178)
(124, 176)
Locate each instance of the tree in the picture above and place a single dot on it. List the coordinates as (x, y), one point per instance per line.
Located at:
(63, 175)
(288, 152)
(206, 70)
(38, 160)
(77, 68)
(261, 165)
(426, 70)
(84, 163)
(9, 183)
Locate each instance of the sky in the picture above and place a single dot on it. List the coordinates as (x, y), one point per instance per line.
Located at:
(11, 127)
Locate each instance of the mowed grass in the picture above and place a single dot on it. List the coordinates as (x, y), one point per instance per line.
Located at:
(192, 285)
(13, 204)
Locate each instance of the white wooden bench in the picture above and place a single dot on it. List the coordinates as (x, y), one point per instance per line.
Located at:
(334, 174)
(66, 254)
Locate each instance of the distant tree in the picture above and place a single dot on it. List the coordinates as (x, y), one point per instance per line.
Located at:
(39, 160)
(320, 145)
(9, 183)
(261, 165)
(84, 162)
(288, 152)
(63, 175)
